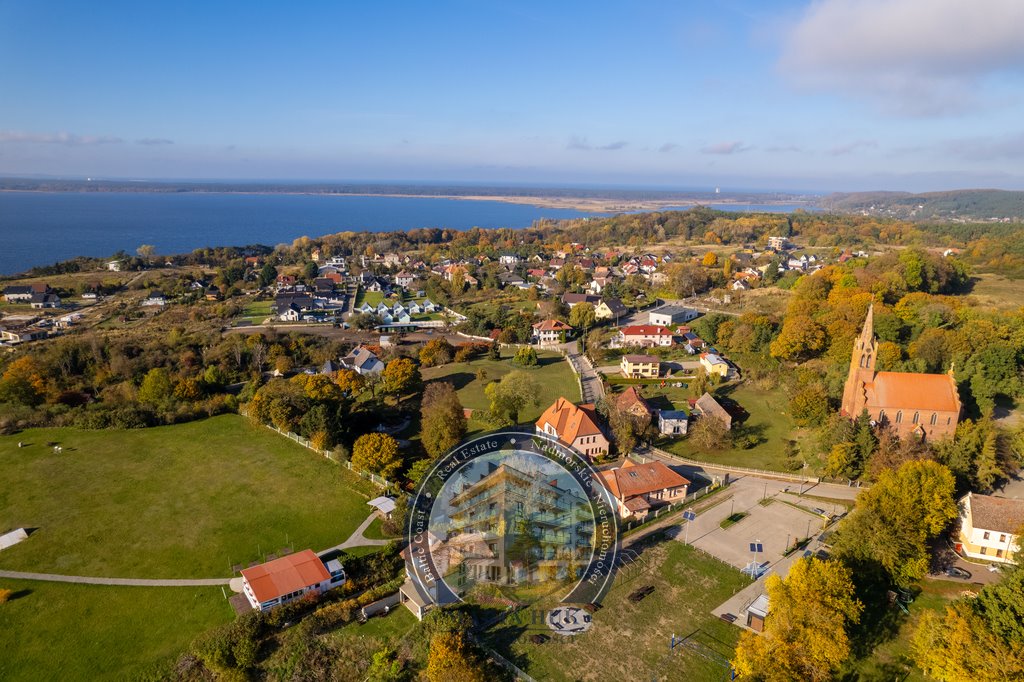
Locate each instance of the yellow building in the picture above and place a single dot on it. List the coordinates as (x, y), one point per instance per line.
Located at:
(639, 366)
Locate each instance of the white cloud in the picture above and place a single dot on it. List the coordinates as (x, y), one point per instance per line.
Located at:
(725, 148)
(849, 147)
(67, 139)
(913, 57)
(583, 144)
(986, 149)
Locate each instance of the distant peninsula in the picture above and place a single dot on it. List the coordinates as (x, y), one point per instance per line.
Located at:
(604, 200)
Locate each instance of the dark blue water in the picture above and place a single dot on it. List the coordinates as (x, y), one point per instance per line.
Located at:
(40, 228)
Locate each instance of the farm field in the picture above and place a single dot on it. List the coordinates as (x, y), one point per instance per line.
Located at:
(183, 501)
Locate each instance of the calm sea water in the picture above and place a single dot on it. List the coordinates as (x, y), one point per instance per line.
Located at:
(39, 228)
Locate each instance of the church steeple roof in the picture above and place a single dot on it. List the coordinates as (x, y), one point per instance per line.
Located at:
(868, 333)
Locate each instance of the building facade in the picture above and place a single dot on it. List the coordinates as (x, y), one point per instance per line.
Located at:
(916, 405)
(640, 366)
(575, 426)
(990, 527)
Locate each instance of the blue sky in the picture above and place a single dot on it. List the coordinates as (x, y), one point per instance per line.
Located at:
(830, 95)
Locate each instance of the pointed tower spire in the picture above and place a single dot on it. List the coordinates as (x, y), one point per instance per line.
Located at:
(868, 333)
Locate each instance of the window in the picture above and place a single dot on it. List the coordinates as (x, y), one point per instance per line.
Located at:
(917, 417)
(935, 418)
(881, 416)
(1002, 537)
(899, 416)
(985, 536)
(999, 553)
(984, 550)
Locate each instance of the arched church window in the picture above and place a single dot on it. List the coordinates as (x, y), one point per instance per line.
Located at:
(899, 416)
(917, 417)
(935, 419)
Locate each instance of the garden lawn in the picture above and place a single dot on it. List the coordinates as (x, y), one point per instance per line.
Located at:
(552, 373)
(631, 641)
(768, 422)
(255, 312)
(183, 501)
(58, 631)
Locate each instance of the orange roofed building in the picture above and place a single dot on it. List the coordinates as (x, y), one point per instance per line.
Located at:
(288, 578)
(919, 405)
(639, 487)
(574, 425)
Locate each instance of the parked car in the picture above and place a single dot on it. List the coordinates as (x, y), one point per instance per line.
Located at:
(957, 572)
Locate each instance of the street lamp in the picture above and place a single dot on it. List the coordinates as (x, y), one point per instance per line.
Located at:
(755, 548)
(688, 516)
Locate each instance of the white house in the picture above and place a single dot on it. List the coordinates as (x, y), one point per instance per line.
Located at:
(644, 335)
(672, 314)
(550, 331)
(362, 361)
(673, 422)
(155, 298)
(289, 578)
(990, 527)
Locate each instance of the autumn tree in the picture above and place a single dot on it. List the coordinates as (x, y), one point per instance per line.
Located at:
(709, 433)
(400, 376)
(809, 405)
(156, 386)
(376, 453)
(709, 260)
(509, 396)
(350, 382)
(23, 382)
(582, 316)
(525, 356)
(801, 337)
(436, 352)
(805, 634)
(892, 521)
(975, 639)
(443, 421)
(452, 658)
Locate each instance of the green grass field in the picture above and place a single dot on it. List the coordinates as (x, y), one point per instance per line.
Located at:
(255, 312)
(55, 631)
(552, 373)
(181, 501)
(768, 421)
(631, 641)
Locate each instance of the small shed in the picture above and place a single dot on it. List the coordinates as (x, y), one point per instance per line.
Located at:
(757, 612)
(384, 505)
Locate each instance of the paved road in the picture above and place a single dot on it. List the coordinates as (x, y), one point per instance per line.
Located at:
(709, 471)
(593, 389)
(131, 582)
(357, 539)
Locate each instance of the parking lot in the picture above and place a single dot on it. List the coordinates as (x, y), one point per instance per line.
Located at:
(773, 525)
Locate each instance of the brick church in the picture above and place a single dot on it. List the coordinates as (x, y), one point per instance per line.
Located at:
(920, 405)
